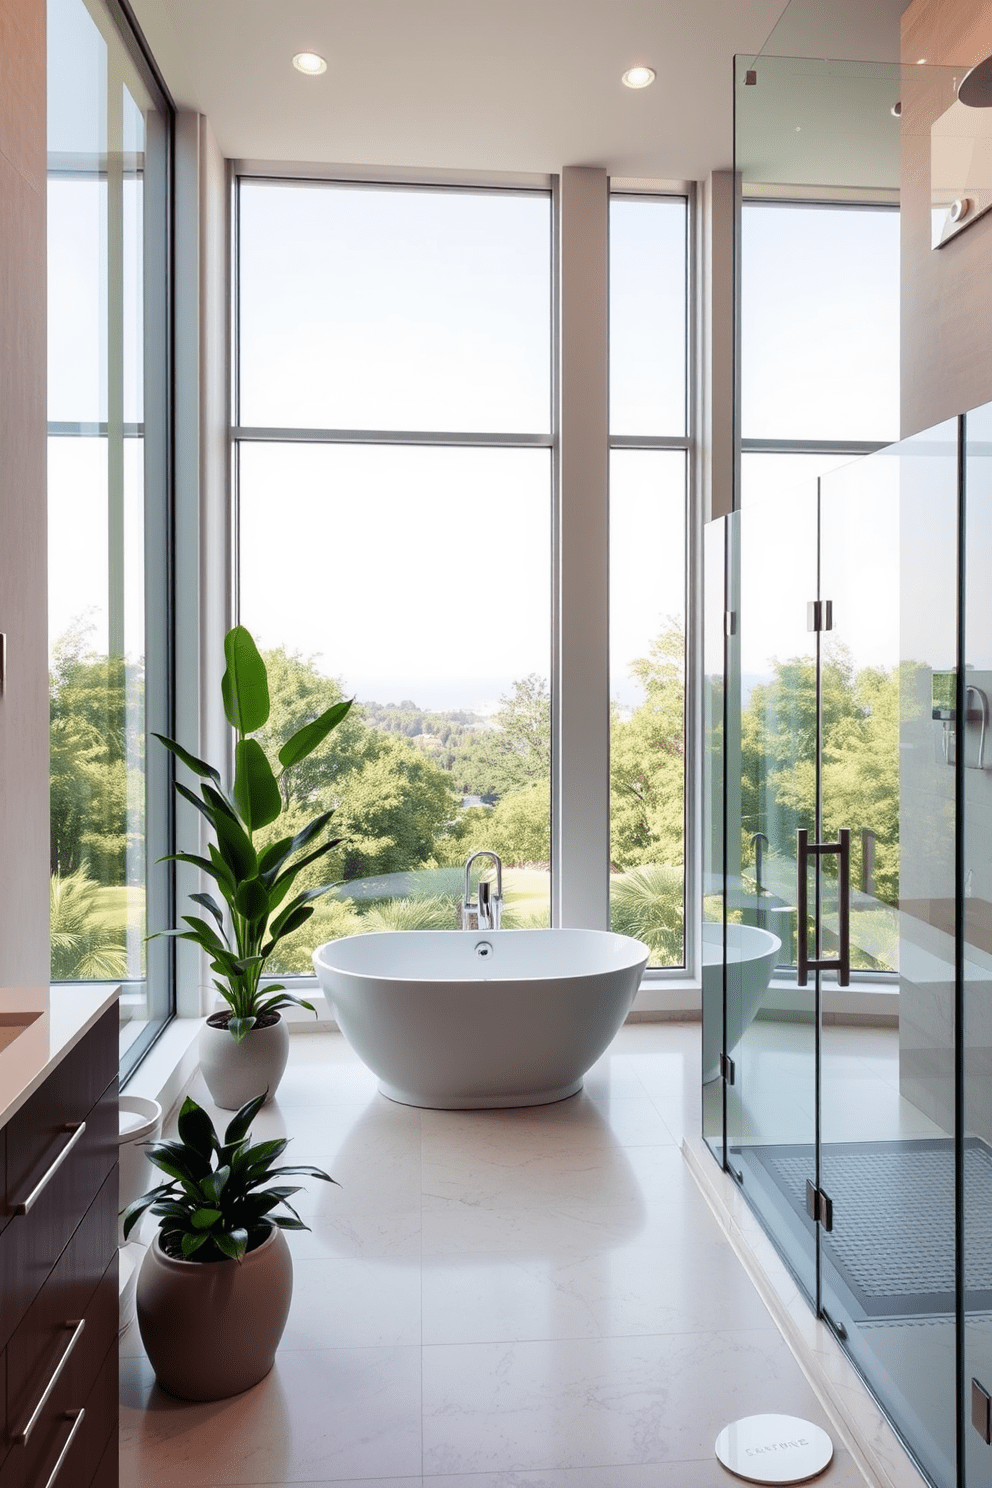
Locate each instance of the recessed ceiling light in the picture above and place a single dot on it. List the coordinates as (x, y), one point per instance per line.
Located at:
(920, 61)
(638, 77)
(309, 63)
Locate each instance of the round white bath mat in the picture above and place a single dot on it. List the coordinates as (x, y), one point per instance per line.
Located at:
(774, 1449)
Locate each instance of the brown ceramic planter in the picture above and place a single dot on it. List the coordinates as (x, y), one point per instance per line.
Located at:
(236, 1073)
(211, 1328)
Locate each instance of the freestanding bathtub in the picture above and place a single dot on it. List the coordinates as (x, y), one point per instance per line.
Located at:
(751, 957)
(461, 1019)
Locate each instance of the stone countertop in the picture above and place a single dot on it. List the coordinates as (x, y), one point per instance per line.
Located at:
(57, 1018)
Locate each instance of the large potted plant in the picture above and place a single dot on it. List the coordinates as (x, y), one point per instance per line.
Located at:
(216, 1283)
(244, 1049)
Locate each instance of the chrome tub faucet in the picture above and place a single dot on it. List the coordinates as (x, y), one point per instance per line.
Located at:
(484, 912)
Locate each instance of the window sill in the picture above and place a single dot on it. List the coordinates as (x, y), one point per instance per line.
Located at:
(169, 1065)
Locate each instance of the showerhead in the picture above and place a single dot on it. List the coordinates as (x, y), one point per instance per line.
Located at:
(975, 88)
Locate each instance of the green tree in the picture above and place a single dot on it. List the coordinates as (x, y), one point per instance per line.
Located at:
(88, 933)
(95, 758)
(519, 827)
(647, 761)
(298, 694)
(860, 778)
(517, 751)
(392, 807)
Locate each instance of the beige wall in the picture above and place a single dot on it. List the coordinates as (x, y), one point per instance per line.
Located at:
(946, 295)
(24, 844)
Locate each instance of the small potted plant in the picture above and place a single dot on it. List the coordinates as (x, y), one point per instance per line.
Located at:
(215, 1285)
(245, 1048)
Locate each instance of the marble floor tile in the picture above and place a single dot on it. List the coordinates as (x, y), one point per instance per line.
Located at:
(531, 1298)
(353, 1304)
(581, 1122)
(600, 1402)
(693, 1286)
(843, 1472)
(321, 1415)
(346, 1232)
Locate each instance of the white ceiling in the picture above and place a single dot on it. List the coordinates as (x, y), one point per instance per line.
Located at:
(515, 86)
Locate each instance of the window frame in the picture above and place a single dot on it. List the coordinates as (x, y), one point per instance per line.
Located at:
(685, 442)
(246, 170)
(115, 24)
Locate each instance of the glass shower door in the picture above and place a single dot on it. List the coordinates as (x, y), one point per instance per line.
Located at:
(975, 1067)
(771, 1020)
(889, 571)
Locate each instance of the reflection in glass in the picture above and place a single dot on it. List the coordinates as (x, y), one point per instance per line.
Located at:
(442, 630)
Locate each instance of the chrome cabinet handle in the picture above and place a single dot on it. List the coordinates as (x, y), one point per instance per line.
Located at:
(76, 1417)
(77, 1128)
(77, 1325)
(842, 962)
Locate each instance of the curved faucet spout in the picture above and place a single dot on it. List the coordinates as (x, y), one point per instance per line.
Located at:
(484, 852)
(489, 907)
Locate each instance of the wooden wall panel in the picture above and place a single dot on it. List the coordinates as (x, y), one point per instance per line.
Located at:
(24, 845)
(22, 87)
(946, 295)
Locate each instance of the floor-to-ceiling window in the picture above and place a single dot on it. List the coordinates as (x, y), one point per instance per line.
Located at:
(394, 479)
(108, 167)
(648, 504)
(395, 440)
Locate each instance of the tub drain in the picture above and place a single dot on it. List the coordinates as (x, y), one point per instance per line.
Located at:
(483, 948)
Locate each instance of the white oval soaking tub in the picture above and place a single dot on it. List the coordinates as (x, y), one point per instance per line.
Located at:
(461, 1019)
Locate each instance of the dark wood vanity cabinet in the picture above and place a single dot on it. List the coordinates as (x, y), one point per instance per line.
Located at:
(58, 1275)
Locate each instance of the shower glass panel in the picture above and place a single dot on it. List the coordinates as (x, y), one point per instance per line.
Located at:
(771, 1127)
(975, 788)
(888, 545)
(714, 638)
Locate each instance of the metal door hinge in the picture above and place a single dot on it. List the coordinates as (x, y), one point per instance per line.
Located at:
(837, 1328)
(981, 1411)
(819, 1207)
(820, 614)
(727, 1068)
(730, 622)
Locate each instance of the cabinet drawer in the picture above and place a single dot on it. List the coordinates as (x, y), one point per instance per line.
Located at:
(37, 1132)
(32, 1243)
(108, 1474)
(83, 1385)
(44, 1336)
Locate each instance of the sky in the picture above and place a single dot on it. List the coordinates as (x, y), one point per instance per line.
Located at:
(432, 311)
(411, 572)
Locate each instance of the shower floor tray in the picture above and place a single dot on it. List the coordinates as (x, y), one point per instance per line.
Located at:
(892, 1242)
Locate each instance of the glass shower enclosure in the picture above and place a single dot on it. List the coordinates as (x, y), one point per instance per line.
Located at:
(847, 781)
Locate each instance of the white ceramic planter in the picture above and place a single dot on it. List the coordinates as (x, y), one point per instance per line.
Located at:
(236, 1073)
(211, 1328)
(140, 1122)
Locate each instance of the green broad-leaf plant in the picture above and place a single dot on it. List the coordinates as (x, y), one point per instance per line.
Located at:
(255, 886)
(214, 1207)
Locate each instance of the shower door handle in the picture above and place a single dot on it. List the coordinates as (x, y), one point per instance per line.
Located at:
(842, 962)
